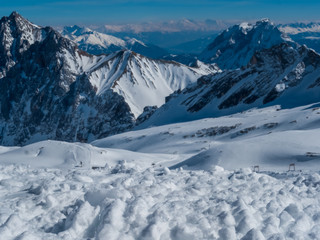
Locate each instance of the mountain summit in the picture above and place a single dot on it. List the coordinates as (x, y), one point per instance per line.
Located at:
(234, 47)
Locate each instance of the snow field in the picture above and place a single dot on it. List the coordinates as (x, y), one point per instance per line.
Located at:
(270, 137)
(156, 203)
(177, 181)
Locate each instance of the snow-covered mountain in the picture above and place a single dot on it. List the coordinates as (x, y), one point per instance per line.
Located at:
(280, 75)
(304, 33)
(297, 28)
(234, 47)
(99, 43)
(142, 81)
(49, 88)
(182, 25)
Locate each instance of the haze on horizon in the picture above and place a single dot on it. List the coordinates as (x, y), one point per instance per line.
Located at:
(86, 12)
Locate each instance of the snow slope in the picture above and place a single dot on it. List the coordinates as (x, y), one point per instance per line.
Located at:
(143, 81)
(209, 190)
(63, 155)
(269, 137)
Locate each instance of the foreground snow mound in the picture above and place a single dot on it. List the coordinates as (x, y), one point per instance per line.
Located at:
(50, 154)
(63, 155)
(157, 204)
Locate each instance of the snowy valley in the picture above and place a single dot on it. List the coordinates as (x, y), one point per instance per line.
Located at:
(124, 146)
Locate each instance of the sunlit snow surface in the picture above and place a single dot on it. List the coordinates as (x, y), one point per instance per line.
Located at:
(123, 203)
(182, 181)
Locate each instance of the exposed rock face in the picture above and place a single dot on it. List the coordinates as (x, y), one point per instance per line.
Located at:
(234, 47)
(50, 89)
(280, 75)
(44, 91)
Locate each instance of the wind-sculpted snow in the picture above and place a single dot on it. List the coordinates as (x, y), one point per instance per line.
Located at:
(156, 203)
(182, 181)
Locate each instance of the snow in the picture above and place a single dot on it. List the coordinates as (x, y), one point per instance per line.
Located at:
(132, 41)
(245, 27)
(88, 36)
(189, 180)
(269, 137)
(294, 29)
(143, 81)
(280, 87)
(236, 45)
(44, 154)
(155, 204)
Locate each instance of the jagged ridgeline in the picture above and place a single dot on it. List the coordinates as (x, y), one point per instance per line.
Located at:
(50, 89)
(265, 68)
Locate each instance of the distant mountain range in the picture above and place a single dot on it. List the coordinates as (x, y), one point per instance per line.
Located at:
(99, 43)
(234, 47)
(285, 73)
(167, 34)
(204, 45)
(182, 25)
(304, 33)
(49, 88)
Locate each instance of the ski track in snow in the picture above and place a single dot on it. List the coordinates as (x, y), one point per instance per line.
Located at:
(156, 203)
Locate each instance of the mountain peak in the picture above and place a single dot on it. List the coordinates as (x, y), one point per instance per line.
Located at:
(16, 19)
(234, 47)
(76, 30)
(265, 20)
(14, 14)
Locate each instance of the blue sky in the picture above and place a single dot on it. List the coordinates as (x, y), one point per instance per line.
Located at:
(66, 12)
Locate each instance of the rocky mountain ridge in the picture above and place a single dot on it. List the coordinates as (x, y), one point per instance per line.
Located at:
(234, 47)
(281, 75)
(50, 89)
